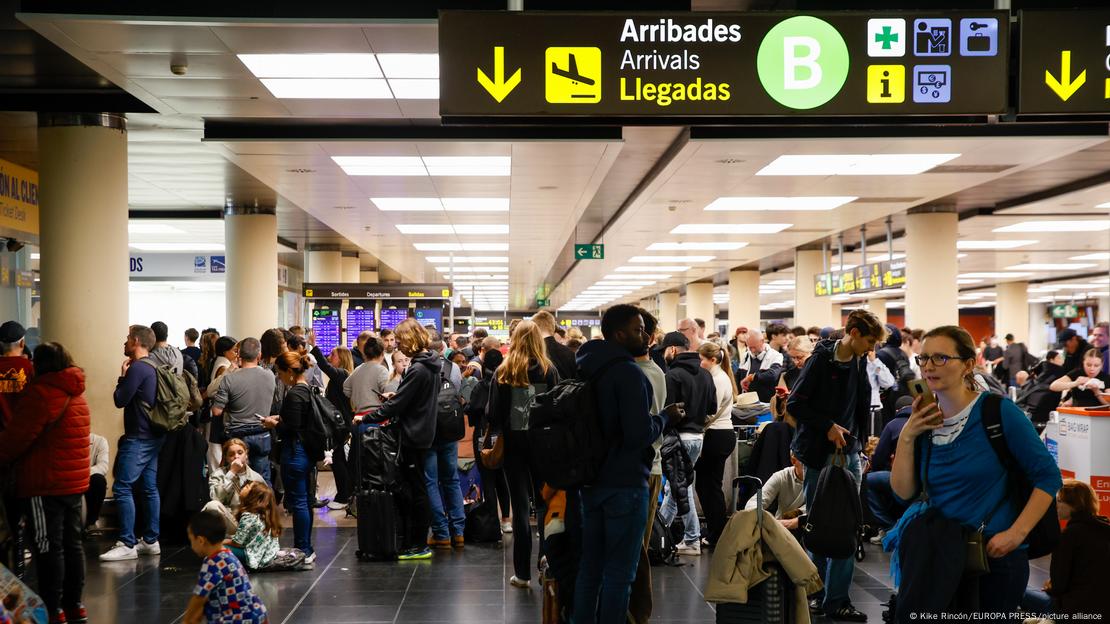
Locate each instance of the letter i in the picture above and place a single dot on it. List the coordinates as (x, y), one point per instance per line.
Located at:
(886, 85)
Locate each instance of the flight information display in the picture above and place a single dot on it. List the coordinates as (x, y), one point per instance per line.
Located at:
(430, 316)
(360, 318)
(392, 317)
(325, 324)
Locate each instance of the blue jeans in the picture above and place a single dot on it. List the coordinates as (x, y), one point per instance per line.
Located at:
(296, 469)
(137, 463)
(1002, 590)
(836, 573)
(441, 473)
(669, 509)
(613, 521)
(881, 500)
(258, 452)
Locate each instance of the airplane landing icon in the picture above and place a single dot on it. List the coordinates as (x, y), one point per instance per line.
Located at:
(573, 75)
(571, 72)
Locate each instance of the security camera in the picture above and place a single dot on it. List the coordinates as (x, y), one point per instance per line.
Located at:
(179, 69)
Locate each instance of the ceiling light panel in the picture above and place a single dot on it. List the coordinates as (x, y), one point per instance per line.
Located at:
(976, 245)
(461, 246)
(152, 228)
(313, 65)
(1057, 226)
(414, 89)
(608, 282)
(328, 88)
(854, 164)
(779, 203)
(177, 246)
(643, 269)
(697, 246)
(436, 204)
(381, 165)
(446, 228)
(730, 228)
(1102, 255)
(466, 259)
(639, 276)
(646, 259)
(1044, 266)
(468, 165)
(990, 275)
(473, 269)
(409, 65)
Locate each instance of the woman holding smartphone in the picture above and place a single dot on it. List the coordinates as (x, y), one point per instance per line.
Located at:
(966, 481)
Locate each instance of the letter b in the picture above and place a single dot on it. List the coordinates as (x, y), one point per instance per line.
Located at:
(793, 62)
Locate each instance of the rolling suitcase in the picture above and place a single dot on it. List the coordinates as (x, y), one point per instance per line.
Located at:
(377, 526)
(770, 602)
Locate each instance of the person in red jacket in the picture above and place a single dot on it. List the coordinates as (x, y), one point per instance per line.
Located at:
(47, 443)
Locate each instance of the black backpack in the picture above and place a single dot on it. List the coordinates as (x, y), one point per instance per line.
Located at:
(564, 433)
(835, 516)
(450, 426)
(325, 427)
(662, 549)
(1045, 536)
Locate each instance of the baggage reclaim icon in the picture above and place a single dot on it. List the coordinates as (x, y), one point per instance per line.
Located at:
(573, 75)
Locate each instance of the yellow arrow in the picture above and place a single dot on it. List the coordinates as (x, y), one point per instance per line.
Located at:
(1065, 87)
(498, 87)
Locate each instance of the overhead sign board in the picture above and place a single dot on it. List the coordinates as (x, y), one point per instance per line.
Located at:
(377, 291)
(1065, 311)
(19, 198)
(1065, 62)
(861, 279)
(722, 64)
(589, 252)
(179, 265)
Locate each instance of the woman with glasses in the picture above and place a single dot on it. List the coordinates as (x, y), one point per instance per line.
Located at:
(944, 452)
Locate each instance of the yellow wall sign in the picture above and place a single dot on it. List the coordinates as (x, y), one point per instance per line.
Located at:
(19, 198)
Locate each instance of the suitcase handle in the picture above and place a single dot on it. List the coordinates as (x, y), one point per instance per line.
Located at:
(758, 496)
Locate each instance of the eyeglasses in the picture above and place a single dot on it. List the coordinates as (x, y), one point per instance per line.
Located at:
(938, 359)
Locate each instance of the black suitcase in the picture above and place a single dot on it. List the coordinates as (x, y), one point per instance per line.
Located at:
(770, 602)
(377, 526)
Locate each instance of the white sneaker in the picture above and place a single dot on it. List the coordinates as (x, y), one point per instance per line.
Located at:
(878, 539)
(148, 549)
(120, 552)
(311, 558)
(334, 506)
(690, 550)
(506, 527)
(516, 582)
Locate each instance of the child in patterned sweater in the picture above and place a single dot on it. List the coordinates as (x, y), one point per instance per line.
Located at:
(255, 543)
(223, 592)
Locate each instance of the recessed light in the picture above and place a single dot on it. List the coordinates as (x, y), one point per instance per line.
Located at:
(177, 246)
(637, 269)
(410, 204)
(779, 203)
(435, 204)
(974, 245)
(443, 228)
(36, 256)
(1057, 226)
(730, 228)
(781, 282)
(461, 246)
(1101, 255)
(854, 164)
(671, 258)
(359, 65)
(643, 276)
(990, 275)
(468, 165)
(1046, 266)
(608, 282)
(414, 89)
(967, 281)
(409, 65)
(134, 227)
(328, 88)
(697, 246)
(381, 165)
(473, 269)
(466, 259)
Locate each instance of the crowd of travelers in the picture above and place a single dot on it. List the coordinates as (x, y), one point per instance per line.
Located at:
(937, 437)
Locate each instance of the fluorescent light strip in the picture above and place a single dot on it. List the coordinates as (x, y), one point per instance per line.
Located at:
(461, 229)
(468, 165)
(1044, 266)
(644, 269)
(328, 88)
(136, 227)
(1057, 226)
(974, 245)
(473, 269)
(177, 246)
(409, 65)
(466, 259)
(854, 164)
(990, 275)
(645, 276)
(625, 283)
(671, 258)
(696, 246)
(1101, 255)
(381, 165)
(414, 89)
(461, 246)
(359, 65)
(779, 203)
(730, 228)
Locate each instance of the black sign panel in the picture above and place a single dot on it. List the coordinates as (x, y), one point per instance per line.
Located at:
(863, 278)
(1065, 62)
(722, 64)
(377, 291)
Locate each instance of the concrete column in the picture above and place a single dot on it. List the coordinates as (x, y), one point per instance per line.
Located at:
(349, 268)
(1038, 341)
(1103, 313)
(743, 300)
(668, 311)
(368, 277)
(83, 240)
(250, 235)
(1011, 311)
(878, 308)
(322, 266)
(699, 304)
(931, 270)
(809, 309)
(836, 319)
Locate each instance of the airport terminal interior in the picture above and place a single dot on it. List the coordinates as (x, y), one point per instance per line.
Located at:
(767, 181)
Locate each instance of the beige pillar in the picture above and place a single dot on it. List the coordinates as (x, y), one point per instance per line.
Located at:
(836, 319)
(809, 309)
(668, 311)
(878, 308)
(323, 266)
(368, 277)
(1103, 313)
(349, 268)
(743, 300)
(931, 270)
(1011, 311)
(699, 304)
(83, 240)
(250, 235)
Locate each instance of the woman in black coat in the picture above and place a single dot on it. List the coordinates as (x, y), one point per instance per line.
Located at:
(338, 366)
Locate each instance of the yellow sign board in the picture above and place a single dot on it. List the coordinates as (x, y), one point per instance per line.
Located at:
(573, 75)
(19, 198)
(886, 84)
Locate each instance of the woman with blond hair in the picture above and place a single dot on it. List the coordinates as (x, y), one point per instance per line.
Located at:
(525, 372)
(225, 482)
(719, 441)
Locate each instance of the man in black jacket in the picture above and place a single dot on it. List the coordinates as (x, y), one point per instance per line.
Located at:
(691, 385)
(831, 402)
(562, 357)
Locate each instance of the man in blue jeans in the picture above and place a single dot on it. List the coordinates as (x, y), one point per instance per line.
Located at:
(137, 456)
(831, 401)
(614, 508)
(441, 473)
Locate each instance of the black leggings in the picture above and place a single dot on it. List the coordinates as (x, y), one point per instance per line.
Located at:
(710, 469)
(55, 539)
(343, 472)
(523, 487)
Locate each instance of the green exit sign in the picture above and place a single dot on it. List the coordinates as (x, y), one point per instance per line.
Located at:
(543, 303)
(1065, 311)
(589, 252)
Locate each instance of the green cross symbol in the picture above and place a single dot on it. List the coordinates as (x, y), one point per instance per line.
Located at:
(886, 37)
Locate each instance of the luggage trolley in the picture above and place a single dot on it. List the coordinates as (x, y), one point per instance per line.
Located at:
(772, 600)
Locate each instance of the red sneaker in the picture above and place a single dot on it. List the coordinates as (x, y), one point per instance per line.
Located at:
(77, 614)
(59, 617)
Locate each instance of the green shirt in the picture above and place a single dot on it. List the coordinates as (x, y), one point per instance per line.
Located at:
(259, 544)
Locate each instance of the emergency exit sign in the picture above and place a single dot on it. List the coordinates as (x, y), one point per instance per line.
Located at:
(1065, 311)
(589, 252)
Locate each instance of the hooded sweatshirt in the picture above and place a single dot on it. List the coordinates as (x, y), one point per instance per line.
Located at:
(828, 392)
(414, 405)
(52, 462)
(692, 385)
(624, 398)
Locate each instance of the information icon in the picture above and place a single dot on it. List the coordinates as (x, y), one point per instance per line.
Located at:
(932, 84)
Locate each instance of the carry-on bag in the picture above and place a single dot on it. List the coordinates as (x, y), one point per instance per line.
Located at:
(770, 602)
(377, 526)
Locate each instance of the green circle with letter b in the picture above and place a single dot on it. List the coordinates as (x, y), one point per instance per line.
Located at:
(803, 62)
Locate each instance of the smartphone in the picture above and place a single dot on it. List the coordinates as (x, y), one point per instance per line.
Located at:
(381, 396)
(918, 388)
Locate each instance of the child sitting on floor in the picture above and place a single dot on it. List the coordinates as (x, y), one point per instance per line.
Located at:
(223, 592)
(255, 543)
